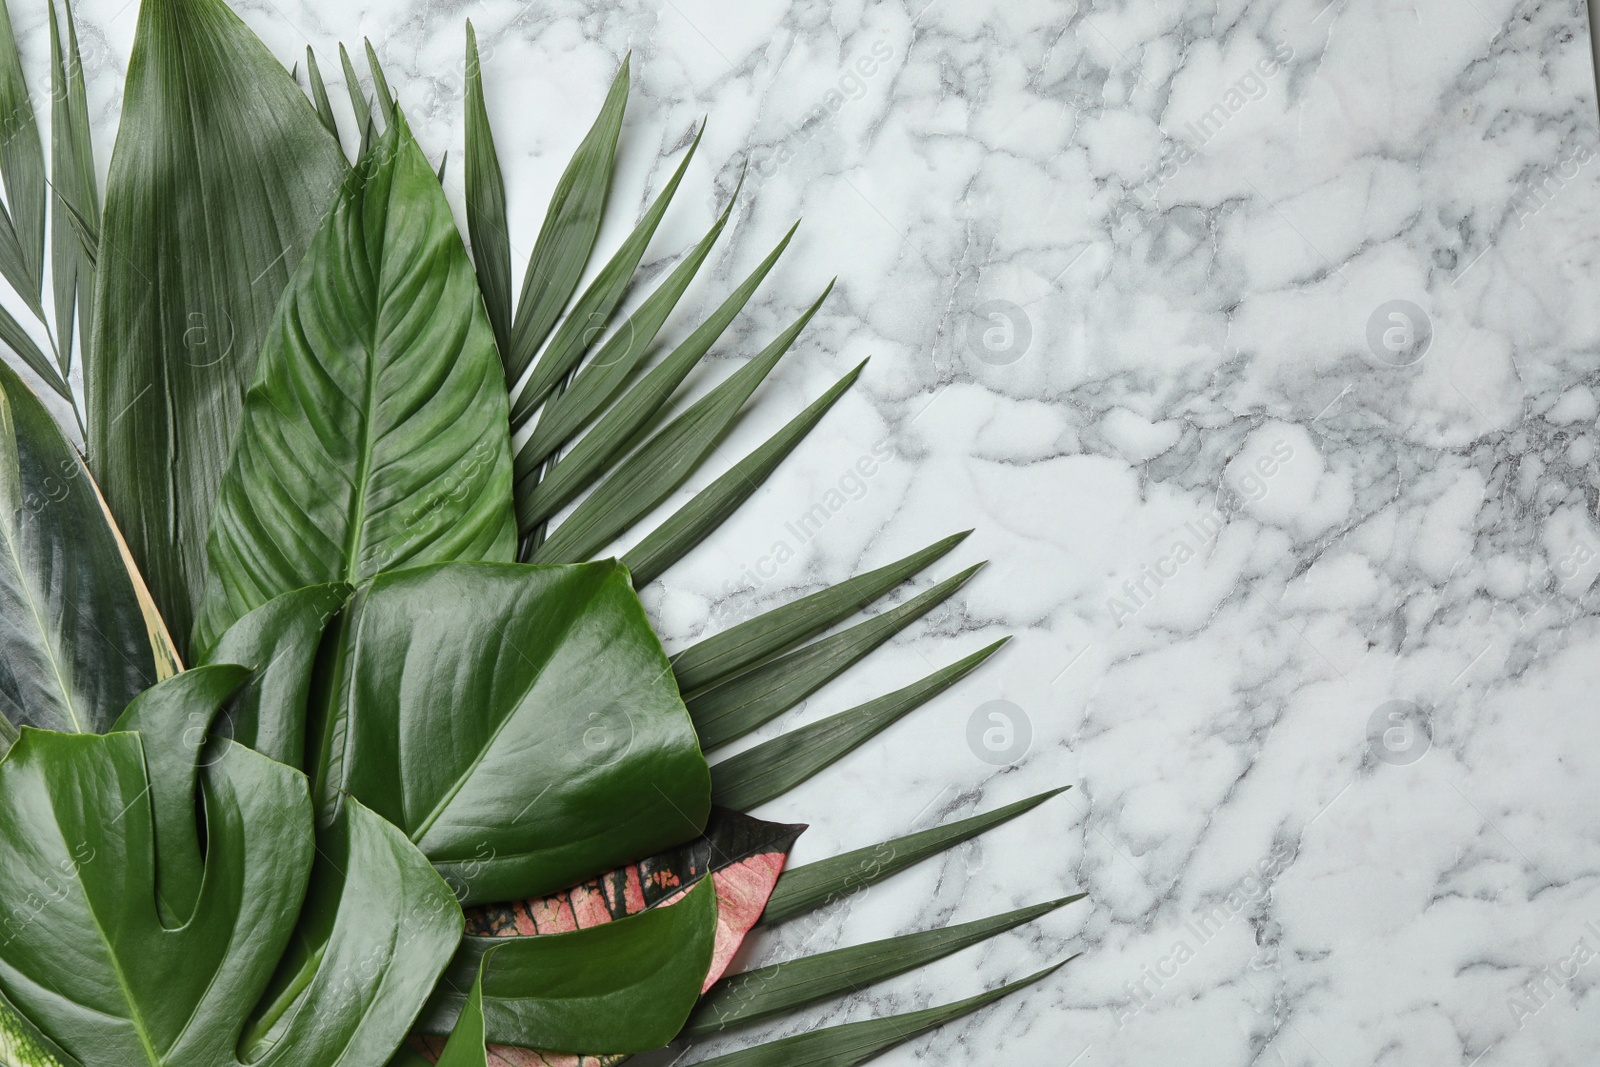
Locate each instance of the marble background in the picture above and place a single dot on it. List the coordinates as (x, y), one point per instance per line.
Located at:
(1258, 339)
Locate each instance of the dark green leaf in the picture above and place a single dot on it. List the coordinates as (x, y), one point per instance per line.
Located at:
(729, 711)
(358, 100)
(659, 466)
(279, 641)
(571, 224)
(855, 1043)
(774, 767)
(620, 987)
(720, 656)
(174, 719)
(74, 648)
(486, 204)
(712, 506)
(375, 436)
(599, 380)
(784, 987)
(76, 830)
(519, 723)
(75, 189)
(380, 86)
(12, 333)
(804, 889)
(319, 93)
(620, 425)
(22, 165)
(220, 175)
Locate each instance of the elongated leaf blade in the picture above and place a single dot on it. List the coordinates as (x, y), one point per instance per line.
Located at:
(74, 649)
(375, 436)
(358, 101)
(319, 93)
(590, 315)
(77, 815)
(74, 190)
(619, 987)
(774, 767)
(17, 339)
(804, 889)
(767, 992)
(659, 466)
(220, 175)
(856, 1043)
(571, 224)
(722, 655)
(380, 85)
(712, 506)
(598, 381)
(22, 166)
(279, 641)
(731, 710)
(486, 204)
(556, 744)
(622, 424)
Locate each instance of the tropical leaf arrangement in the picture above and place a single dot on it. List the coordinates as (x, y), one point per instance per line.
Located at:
(429, 789)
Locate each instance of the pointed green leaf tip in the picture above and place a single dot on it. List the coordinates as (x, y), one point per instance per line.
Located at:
(221, 173)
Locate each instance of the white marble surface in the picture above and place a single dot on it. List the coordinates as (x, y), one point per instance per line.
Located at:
(1197, 297)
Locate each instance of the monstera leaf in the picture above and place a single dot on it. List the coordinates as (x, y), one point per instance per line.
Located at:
(88, 959)
(519, 723)
(74, 645)
(220, 174)
(375, 436)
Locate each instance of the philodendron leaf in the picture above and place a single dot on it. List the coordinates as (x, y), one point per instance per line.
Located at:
(766, 992)
(279, 641)
(519, 723)
(74, 648)
(375, 435)
(221, 172)
(619, 987)
(90, 962)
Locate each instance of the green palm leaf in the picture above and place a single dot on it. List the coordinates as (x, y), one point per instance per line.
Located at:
(221, 172)
(375, 436)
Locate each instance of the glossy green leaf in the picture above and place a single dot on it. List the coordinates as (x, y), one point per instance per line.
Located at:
(75, 189)
(22, 165)
(590, 315)
(766, 992)
(74, 647)
(375, 436)
(723, 655)
(486, 204)
(519, 723)
(620, 987)
(660, 465)
(279, 641)
(596, 384)
(855, 1043)
(95, 968)
(319, 93)
(22, 1045)
(712, 506)
(804, 889)
(620, 426)
(220, 175)
(174, 719)
(774, 767)
(727, 712)
(571, 224)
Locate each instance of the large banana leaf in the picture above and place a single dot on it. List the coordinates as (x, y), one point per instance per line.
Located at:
(74, 648)
(519, 723)
(221, 172)
(88, 960)
(375, 436)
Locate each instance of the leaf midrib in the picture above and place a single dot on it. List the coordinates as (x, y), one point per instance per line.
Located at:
(13, 535)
